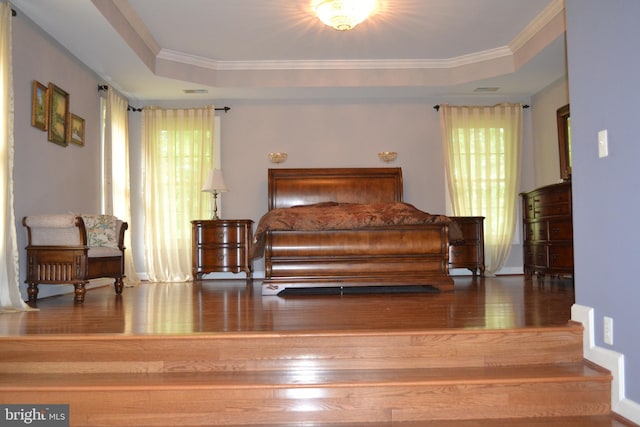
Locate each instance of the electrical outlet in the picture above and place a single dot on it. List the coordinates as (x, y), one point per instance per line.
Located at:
(608, 330)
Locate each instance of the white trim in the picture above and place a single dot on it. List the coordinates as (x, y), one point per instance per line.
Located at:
(370, 64)
(224, 275)
(510, 271)
(608, 359)
(539, 23)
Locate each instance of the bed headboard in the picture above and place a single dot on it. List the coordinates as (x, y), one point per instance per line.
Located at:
(291, 187)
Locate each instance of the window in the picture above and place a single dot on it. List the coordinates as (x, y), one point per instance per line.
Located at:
(178, 147)
(482, 156)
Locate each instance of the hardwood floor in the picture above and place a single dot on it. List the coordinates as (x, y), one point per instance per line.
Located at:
(213, 306)
(227, 351)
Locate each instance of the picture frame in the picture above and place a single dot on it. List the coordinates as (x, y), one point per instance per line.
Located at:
(563, 115)
(75, 130)
(39, 105)
(58, 115)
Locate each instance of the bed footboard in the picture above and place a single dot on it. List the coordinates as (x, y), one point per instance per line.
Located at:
(394, 255)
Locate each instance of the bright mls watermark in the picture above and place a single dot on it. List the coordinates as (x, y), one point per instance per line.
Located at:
(34, 415)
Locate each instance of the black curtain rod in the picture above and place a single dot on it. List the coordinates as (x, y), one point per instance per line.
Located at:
(437, 107)
(131, 108)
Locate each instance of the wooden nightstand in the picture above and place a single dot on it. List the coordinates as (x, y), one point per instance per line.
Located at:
(221, 245)
(471, 253)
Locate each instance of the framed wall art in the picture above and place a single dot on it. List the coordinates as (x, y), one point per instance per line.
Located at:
(58, 115)
(563, 115)
(75, 130)
(39, 105)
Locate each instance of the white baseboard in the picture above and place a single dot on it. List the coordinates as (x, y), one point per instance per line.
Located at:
(608, 359)
(256, 275)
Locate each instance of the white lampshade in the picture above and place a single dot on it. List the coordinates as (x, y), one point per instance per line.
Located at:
(215, 182)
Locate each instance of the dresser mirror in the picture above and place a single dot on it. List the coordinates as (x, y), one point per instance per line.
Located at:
(564, 141)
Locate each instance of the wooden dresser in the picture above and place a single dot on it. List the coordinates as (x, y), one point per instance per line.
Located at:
(471, 253)
(548, 230)
(221, 245)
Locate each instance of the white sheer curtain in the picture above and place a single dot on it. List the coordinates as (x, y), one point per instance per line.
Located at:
(116, 189)
(177, 146)
(482, 146)
(10, 298)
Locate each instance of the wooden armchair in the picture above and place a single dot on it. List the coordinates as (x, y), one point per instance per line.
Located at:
(71, 249)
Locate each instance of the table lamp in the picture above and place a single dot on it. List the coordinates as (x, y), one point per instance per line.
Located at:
(214, 184)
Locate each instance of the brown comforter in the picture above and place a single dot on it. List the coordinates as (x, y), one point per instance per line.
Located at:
(345, 216)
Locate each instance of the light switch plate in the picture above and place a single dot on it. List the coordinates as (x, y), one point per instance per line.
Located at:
(603, 144)
(608, 330)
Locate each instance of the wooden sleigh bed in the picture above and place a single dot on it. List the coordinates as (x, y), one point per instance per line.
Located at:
(387, 255)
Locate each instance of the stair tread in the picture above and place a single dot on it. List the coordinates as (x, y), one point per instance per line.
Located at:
(310, 377)
(568, 421)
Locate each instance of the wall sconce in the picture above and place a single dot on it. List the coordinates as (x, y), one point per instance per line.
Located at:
(277, 157)
(387, 156)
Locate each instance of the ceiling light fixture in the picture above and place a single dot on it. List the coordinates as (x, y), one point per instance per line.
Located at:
(343, 15)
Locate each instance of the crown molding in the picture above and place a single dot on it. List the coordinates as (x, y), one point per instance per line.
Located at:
(391, 64)
(537, 25)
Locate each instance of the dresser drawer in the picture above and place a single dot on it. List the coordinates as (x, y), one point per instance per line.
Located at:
(535, 231)
(560, 229)
(555, 209)
(535, 256)
(552, 195)
(561, 257)
(528, 207)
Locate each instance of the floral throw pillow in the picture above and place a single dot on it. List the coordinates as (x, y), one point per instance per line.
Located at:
(101, 230)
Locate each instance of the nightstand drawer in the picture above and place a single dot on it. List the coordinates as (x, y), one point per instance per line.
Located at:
(222, 234)
(221, 256)
(463, 254)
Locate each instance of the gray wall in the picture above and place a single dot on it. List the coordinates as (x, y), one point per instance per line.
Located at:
(336, 133)
(602, 43)
(49, 178)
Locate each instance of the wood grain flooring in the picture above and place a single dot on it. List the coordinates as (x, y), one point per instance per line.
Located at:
(214, 306)
(153, 344)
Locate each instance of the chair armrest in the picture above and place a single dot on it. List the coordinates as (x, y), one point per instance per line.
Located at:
(121, 227)
(55, 230)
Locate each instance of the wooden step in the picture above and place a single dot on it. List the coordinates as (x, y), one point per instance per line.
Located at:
(329, 350)
(578, 421)
(284, 397)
